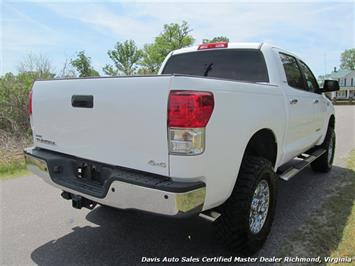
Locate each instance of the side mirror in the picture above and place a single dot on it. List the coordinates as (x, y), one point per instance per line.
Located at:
(330, 85)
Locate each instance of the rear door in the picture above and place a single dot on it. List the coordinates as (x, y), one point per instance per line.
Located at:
(301, 127)
(120, 121)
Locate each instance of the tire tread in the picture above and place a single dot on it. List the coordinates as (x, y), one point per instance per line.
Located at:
(233, 225)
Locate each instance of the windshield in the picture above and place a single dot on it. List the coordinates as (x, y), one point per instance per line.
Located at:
(236, 64)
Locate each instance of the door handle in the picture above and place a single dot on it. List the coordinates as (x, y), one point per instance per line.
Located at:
(82, 101)
(293, 101)
(316, 101)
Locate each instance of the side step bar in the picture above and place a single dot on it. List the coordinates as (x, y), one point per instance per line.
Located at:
(210, 216)
(295, 169)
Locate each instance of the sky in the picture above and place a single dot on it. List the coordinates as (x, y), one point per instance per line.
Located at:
(317, 31)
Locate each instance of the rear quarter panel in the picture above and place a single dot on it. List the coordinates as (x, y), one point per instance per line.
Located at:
(241, 109)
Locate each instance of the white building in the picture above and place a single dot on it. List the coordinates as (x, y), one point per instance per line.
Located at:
(346, 79)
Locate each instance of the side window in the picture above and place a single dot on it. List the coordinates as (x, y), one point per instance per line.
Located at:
(293, 72)
(311, 81)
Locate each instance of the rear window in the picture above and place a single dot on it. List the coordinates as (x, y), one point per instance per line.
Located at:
(237, 64)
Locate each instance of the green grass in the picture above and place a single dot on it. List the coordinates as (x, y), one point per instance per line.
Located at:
(13, 170)
(346, 245)
(330, 230)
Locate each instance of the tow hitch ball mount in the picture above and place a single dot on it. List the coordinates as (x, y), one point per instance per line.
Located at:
(78, 202)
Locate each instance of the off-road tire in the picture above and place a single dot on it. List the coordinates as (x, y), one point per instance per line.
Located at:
(232, 227)
(324, 163)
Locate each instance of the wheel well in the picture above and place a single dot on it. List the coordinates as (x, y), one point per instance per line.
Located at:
(263, 144)
(332, 122)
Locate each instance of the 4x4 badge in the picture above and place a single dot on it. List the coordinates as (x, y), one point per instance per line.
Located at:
(154, 163)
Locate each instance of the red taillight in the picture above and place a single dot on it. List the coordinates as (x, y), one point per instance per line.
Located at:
(212, 45)
(30, 103)
(190, 109)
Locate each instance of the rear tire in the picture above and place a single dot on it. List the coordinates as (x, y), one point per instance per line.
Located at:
(325, 162)
(244, 226)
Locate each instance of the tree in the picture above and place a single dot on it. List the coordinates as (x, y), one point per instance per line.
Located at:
(348, 59)
(82, 64)
(37, 66)
(126, 57)
(67, 71)
(216, 39)
(14, 91)
(151, 59)
(174, 36)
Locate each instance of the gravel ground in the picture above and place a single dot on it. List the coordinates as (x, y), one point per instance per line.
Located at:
(38, 227)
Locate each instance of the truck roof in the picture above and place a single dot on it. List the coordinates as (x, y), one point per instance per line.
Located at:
(237, 45)
(232, 45)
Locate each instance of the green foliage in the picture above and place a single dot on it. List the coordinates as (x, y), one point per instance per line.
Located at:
(82, 64)
(347, 59)
(14, 91)
(151, 59)
(216, 39)
(174, 36)
(125, 57)
(13, 170)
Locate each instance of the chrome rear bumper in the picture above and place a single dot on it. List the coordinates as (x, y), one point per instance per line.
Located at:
(121, 192)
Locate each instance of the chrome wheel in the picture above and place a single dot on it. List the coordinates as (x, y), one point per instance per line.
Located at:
(259, 207)
(330, 151)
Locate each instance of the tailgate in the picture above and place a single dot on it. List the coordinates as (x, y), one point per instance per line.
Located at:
(126, 126)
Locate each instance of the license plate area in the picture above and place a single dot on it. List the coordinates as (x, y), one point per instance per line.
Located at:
(91, 173)
(87, 171)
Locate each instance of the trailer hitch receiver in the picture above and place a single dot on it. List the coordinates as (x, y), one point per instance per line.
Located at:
(78, 202)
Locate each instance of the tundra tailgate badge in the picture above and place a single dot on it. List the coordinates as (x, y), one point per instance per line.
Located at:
(39, 138)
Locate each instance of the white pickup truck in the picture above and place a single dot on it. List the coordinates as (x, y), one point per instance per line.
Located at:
(211, 135)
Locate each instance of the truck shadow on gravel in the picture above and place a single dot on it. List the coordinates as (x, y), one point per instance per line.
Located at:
(124, 237)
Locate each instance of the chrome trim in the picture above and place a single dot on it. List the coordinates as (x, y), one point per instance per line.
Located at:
(210, 216)
(292, 171)
(40, 164)
(124, 195)
(259, 208)
(37, 166)
(190, 200)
